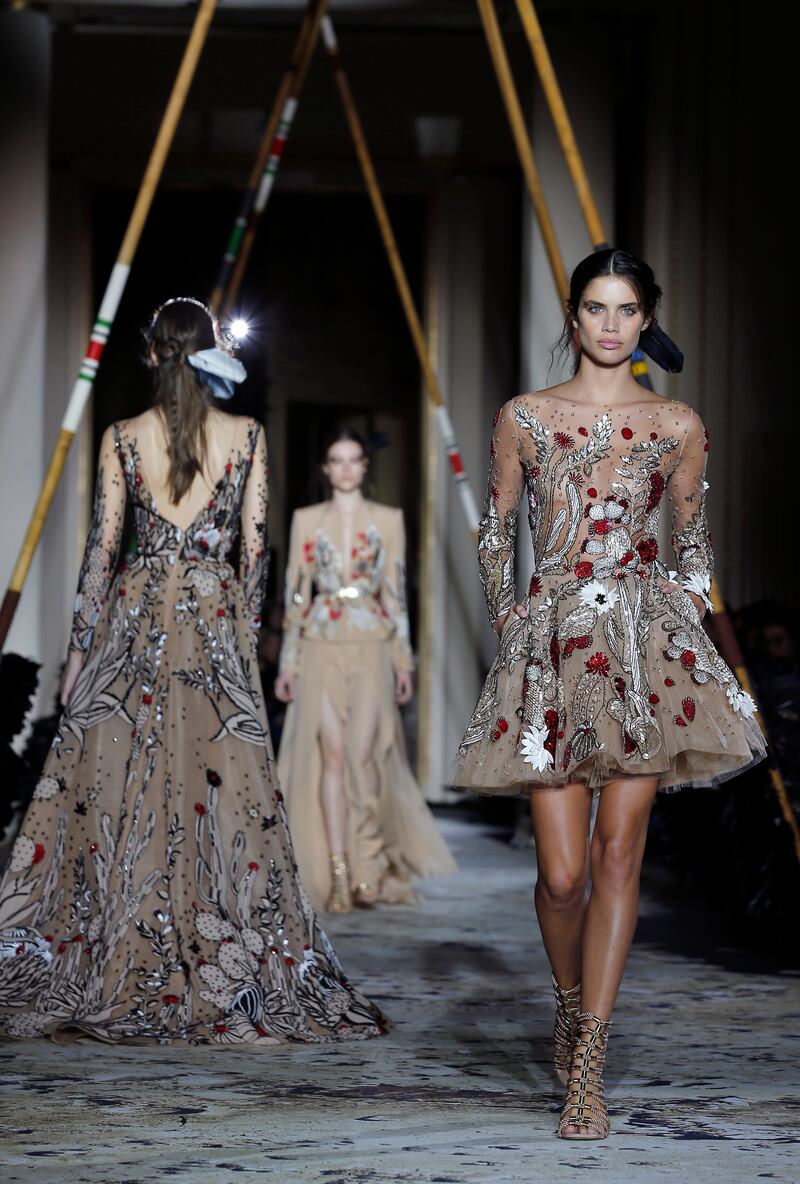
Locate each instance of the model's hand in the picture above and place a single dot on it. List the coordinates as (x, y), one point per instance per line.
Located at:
(284, 688)
(72, 669)
(403, 686)
(519, 609)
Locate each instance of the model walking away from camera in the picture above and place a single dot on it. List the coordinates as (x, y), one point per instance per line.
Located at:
(360, 825)
(605, 678)
(152, 893)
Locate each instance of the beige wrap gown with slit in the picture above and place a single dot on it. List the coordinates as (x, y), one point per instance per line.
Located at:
(345, 634)
(152, 894)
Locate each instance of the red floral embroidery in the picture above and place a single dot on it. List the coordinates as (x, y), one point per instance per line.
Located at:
(38, 853)
(495, 492)
(554, 652)
(688, 660)
(584, 570)
(628, 744)
(626, 558)
(496, 419)
(680, 721)
(598, 664)
(334, 613)
(655, 490)
(199, 808)
(601, 527)
(654, 435)
(171, 998)
(648, 550)
(535, 586)
(582, 432)
(253, 867)
(654, 698)
(577, 643)
(591, 491)
(502, 724)
(619, 685)
(669, 682)
(626, 434)
(689, 708)
(289, 961)
(563, 440)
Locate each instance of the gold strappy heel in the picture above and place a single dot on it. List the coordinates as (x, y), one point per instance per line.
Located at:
(585, 1103)
(340, 899)
(568, 1005)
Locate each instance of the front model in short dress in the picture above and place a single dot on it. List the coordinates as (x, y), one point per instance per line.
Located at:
(611, 674)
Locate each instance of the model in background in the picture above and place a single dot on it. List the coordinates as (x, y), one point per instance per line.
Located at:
(605, 678)
(360, 826)
(152, 893)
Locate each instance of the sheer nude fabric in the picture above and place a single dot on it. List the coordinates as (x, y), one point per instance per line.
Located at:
(152, 893)
(345, 634)
(612, 672)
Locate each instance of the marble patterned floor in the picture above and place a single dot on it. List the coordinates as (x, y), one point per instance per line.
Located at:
(702, 1078)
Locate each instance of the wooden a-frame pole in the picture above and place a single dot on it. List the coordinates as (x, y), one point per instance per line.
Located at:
(466, 495)
(267, 162)
(108, 310)
(522, 141)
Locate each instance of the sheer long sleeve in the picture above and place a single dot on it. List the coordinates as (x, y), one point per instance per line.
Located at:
(498, 527)
(297, 597)
(102, 546)
(686, 489)
(393, 593)
(254, 545)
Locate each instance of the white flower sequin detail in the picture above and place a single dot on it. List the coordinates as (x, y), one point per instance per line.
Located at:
(700, 584)
(598, 596)
(533, 749)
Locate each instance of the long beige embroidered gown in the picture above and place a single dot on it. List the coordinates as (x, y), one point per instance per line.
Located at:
(611, 673)
(345, 633)
(152, 893)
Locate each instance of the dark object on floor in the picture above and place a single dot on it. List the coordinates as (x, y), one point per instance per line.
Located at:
(18, 680)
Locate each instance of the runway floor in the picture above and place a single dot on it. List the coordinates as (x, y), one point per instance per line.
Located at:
(702, 1077)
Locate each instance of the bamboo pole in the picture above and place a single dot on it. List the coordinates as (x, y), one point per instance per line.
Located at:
(519, 131)
(468, 503)
(268, 160)
(558, 110)
(108, 310)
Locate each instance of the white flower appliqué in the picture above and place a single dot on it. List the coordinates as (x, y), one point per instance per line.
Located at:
(599, 596)
(701, 586)
(742, 702)
(533, 749)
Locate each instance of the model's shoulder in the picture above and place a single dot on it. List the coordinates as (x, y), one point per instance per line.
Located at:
(380, 510)
(681, 416)
(306, 513)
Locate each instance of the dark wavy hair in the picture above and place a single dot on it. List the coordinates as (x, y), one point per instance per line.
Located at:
(612, 261)
(180, 329)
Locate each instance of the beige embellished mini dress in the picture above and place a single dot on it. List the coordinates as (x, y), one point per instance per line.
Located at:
(152, 894)
(611, 674)
(345, 634)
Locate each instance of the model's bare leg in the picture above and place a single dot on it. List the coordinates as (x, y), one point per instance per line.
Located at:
(561, 832)
(617, 848)
(620, 832)
(334, 801)
(369, 859)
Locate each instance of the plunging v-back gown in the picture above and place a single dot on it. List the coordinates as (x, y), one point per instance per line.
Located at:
(152, 892)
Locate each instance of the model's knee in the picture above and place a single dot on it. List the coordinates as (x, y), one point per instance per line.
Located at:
(333, 759)
(615, 861)
(562, 887)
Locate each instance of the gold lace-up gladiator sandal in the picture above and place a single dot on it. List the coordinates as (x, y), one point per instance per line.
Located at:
(341, 898)
(585, 1103)
(568, 1004)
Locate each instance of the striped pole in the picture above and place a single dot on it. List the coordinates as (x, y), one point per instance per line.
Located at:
(108, 311)
(267, 162)
(465, 493)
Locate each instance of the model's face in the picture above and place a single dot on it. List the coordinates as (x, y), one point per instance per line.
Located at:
(609, 320)
(345, 466)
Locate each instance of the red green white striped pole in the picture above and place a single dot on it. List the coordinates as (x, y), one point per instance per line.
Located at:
(267, 162)
(107, 312)
(465, 494)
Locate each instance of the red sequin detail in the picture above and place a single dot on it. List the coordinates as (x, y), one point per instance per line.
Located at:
(627, 434)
